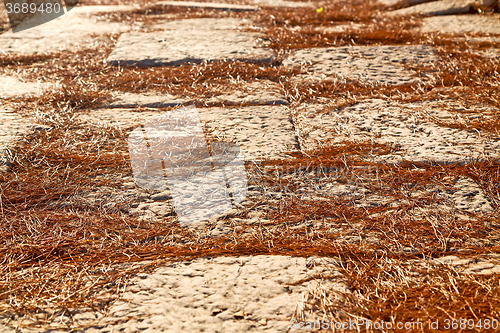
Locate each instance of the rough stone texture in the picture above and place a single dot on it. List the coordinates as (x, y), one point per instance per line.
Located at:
(11, 126)
(374, 64)
(409, 2)
(418, 138)
(208, 5)
(12, 87)
(443, 7)
(470, 197)
(70, 31)
(462, 24)
(282, 3)
(488, 264)
(193, 40)
(150, 100)
(240, 294)
(123, 118)
(257, 93)
(260, 131)
(250, 293)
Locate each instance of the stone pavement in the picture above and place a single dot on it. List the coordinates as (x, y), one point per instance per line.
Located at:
(76, 29)
(260, 293)
(406, 125)
(193, 40)
(372, 64)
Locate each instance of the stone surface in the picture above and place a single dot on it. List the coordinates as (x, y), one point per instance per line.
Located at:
(209, 5)
(462, 24)
(408, 2)
(256, 93)
(11, 125)
(246, 294)
(123, 118)
(68, 32)
(282, 3)
(192, 40)
(483, 265)
(11, 86)
(418, 138)
(258, 130)
(484, 4)
(372, 64)
(442, 7)
(470, 197)
(223, 294)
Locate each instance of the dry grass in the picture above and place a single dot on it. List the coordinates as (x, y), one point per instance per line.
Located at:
(392, 291)
(69, 242)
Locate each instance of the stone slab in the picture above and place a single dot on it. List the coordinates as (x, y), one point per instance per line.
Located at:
(11, 86)
(68, 32)
(282, 3)
(259, 131)
(435, 8)
(12, 127)
(191, 40)
(103, 9)
(405, 125)
(209, 5)
(408, 2)
(462, 24)
(212, 24)
(469, 196)
(373, 64)
(257, 93)
(222, 294)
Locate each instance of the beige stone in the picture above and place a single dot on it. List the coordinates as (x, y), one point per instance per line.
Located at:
(435, 8)
(209, 5)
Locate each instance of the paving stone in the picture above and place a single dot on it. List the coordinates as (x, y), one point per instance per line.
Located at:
(257, 93)
(446, 260)
(408, 2)
(209, 5)
(382, 64)
(435, 8)
(488, 271)
(258, 130)
(192, 40)
(280, 3)
(123, 118)
(11, 126)
(470, 197)
(68, 32)
(13, 87)
(418, 138)
(224, 294)
(480, 266)
(462, 24)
